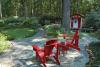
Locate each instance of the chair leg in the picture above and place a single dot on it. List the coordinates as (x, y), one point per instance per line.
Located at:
(64, 49)
(57, 56)
(36, 56)
(44, 64)
(57, 60)
(78, 49)
(43, 61)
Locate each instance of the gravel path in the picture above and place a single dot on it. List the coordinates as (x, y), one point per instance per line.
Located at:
(22, 55)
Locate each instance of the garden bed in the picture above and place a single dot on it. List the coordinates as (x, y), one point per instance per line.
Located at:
(94, 54)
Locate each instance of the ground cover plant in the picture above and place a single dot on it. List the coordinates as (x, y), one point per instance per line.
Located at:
(4, 44)
(52, 30)
(95, 48)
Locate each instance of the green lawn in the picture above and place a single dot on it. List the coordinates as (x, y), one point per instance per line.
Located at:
(18, 33)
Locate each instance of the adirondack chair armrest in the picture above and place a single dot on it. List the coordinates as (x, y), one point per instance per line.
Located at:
(67, 43)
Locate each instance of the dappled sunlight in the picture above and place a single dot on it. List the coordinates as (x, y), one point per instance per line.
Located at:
(30, 30)
(72, 54)
(22, 46)
(29, 62)
(26, 54)
(39, 39)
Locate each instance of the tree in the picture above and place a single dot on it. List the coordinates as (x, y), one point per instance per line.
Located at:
(0, 10)
(66, 14)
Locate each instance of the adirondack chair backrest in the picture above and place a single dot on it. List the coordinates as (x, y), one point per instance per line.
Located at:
(51, 41)
(74, 37)
(48, 49)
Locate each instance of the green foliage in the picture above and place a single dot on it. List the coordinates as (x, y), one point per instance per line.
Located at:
(12, 22)
(93, 20)
(19, 22)
(85, 6)
(26, 8)
(1, 23)
(96, 34)
(31, 22)
(52, 30)
(3, 43)
(18, 33)
(48, 7)
(95, 48)
(3, 37)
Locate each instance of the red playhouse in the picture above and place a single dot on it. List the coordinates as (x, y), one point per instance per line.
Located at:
(75, 22)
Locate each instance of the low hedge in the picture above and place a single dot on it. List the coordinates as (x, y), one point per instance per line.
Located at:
(19, 22)
(52, 30)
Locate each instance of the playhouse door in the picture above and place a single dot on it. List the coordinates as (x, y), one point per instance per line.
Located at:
(75, 23)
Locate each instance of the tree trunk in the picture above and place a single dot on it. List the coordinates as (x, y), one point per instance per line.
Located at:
(66, 14)
(32, 8)
(78, 6)
(16, 11)
(26, 9)
(0, 11)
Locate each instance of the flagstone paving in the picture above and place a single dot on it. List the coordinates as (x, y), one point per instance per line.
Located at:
(22, 55)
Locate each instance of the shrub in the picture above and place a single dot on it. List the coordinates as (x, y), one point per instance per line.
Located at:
(95, 48)
(20, 22)
(93, 20)
(3, 37)
(13, 22)
(31, 22)
(3, 43)
(1, 23)
(52, 30)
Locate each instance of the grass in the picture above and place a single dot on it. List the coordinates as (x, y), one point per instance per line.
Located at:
(95, 48)
(18, 33)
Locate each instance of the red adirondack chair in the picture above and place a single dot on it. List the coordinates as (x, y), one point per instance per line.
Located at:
(45, 53)
(72, 44)
(54, 42)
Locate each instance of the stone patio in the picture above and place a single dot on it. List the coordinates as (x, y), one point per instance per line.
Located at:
(22, 55)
